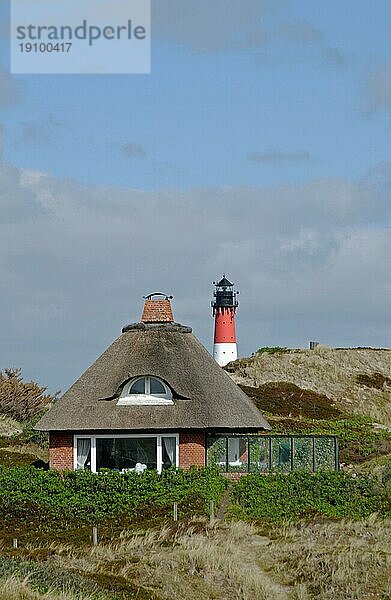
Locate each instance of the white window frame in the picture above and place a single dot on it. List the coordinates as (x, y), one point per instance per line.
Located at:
(159, 452)
(128, 399)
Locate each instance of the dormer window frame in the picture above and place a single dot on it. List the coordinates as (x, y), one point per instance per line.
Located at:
(128, 398)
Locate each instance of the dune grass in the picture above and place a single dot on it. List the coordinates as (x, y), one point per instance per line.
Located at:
(343, 560)
(348, 377)
(183, 562)
(14, 588)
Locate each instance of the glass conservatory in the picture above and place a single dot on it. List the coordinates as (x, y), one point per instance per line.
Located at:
(272, 453)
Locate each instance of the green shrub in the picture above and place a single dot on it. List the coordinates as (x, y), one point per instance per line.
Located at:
(30, 436)
(272, 350)
(288, 497)
(88, 496)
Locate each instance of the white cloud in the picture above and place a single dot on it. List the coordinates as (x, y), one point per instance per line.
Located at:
(75, 262)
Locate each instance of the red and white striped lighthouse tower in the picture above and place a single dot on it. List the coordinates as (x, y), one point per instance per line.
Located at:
(224, 309)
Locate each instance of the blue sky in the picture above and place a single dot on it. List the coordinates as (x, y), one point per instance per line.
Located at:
(199, 115)
(264, 128)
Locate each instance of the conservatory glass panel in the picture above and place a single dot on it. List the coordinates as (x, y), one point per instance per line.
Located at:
(216, 453)
(324, 454)
(259, 454)
(237, 454)
(302, 454)
(281, 454)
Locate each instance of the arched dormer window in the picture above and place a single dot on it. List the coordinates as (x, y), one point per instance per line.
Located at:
(146, 390)
(151, 386)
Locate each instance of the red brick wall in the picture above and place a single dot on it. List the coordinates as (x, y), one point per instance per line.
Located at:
(191, 449)
(61, 451)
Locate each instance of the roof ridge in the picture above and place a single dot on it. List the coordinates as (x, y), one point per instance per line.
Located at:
(174, 327)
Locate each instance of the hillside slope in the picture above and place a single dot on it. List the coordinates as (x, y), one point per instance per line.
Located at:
(354, 381)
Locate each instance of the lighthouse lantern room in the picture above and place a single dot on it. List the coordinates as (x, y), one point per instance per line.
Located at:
(224, 308)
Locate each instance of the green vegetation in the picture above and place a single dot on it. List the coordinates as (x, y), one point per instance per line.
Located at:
(293, 540)
(284, 398)
(272, 350)
(24, 448)
(9, 458)
(88, 497)
(288, 497)
(143, 554)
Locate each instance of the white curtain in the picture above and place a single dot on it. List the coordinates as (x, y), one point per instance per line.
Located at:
(83, 451)
(170, 446)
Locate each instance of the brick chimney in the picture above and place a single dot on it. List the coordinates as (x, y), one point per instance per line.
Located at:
(157, 310)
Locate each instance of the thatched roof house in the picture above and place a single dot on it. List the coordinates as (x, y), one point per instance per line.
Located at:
(149, 400)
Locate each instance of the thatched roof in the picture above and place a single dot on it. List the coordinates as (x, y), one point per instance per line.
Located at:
(204, 395)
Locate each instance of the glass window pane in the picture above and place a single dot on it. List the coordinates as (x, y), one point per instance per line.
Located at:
(233, 450)
(237, 455)
(84, 454)
(216, 451)
(281, 454)
(156, 386)
(168, 452)
(105, 454)
(259, 454)
(302, 454)
(138, 386)
(126, 453)
(324, 454)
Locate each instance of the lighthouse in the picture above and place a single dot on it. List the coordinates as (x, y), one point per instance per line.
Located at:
(224, 308)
